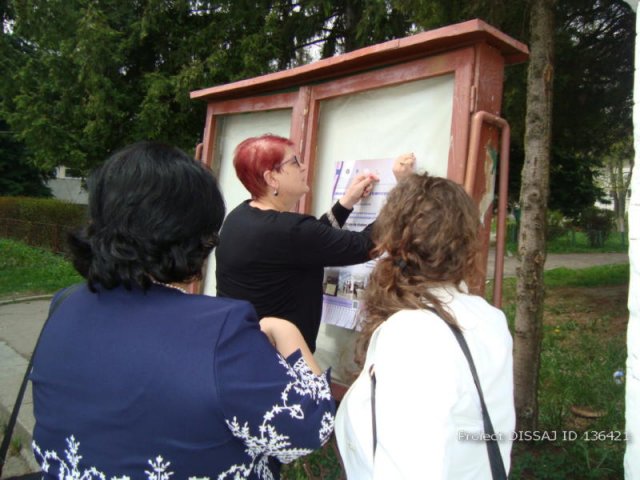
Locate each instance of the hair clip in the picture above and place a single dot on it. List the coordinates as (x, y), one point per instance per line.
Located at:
(401, 264)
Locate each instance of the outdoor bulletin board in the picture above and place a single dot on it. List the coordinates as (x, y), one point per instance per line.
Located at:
(437, 94)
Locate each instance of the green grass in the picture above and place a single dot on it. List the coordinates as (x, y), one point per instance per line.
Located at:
(587, 277)
(584, 343)
(577, 242)
(599, 275)
(323, 464)
(26, 270)
(581, 375)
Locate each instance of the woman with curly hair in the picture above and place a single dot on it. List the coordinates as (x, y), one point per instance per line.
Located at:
(428, 420)
(135, 378)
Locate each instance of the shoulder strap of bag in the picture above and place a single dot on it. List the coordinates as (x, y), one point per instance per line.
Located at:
(4, 448)
(372, 374)
(498, 471)
(495, 458)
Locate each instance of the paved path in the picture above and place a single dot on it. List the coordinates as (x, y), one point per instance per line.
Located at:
(20, 324)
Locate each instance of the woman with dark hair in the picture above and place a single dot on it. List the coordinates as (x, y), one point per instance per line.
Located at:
(428, 421)
(274, 257)
(134, 378)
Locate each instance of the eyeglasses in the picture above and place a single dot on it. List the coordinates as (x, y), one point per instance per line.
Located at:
(293, 159)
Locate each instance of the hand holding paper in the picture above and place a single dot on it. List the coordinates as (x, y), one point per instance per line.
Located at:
(359, 188)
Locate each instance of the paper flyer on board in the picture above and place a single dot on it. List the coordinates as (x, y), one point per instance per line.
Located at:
(343, 286)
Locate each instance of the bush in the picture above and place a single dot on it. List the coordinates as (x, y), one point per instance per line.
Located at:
(597, 225)
(556, 225)
(40, 222)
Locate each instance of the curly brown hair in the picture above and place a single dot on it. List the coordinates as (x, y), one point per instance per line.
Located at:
(427, 236)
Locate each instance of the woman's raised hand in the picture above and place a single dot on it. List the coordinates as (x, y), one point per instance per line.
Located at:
(359, 188)
(404, 165)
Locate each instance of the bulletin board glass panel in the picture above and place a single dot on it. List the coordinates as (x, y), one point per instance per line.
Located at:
(381, 123)
(230, 131)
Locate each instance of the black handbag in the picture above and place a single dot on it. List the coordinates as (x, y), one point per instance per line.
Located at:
(4, 448)
(498, 471)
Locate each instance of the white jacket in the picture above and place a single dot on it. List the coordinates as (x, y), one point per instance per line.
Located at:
(428, 414)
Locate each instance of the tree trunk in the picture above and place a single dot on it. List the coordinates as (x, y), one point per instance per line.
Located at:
(534, 195)
(352, 15)
(620, 183)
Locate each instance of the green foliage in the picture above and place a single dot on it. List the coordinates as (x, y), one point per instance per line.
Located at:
(593, 77)
(573, 183)
(44, 210)
(85, 78)
(26, 270)
(597, 224)
(42, 222)
(595, 41)
(82, 79)
(617, 179)
(15, 446)
(17, 177)
(574, 240)
(556, 225)
(323, 464)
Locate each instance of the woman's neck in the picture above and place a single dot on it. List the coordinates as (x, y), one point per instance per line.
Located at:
(279, 204)
(183, 287)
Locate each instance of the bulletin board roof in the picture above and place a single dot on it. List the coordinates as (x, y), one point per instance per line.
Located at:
(391, 52)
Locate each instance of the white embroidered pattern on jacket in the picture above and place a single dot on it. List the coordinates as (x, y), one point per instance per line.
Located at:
(69, 469)
(270, 443)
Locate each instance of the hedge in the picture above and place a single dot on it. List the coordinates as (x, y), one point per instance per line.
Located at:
(40, 222)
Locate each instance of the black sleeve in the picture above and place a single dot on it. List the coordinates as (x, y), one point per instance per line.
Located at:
(337, 216)
(315, 243)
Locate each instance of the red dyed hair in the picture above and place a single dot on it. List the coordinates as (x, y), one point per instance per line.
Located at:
(256, 155)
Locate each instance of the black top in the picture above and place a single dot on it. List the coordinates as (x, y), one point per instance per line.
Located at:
(275, 260)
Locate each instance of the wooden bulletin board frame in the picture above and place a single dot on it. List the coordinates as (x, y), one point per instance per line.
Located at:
(473, 53)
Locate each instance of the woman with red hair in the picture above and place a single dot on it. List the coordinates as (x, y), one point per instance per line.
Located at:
(274, 257)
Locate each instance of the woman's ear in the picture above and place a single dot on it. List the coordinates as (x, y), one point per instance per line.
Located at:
(270, 180)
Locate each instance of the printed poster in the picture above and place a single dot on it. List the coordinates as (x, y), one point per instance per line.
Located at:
(343, 286)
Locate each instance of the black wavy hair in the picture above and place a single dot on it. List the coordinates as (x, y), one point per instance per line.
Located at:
(154, 212)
